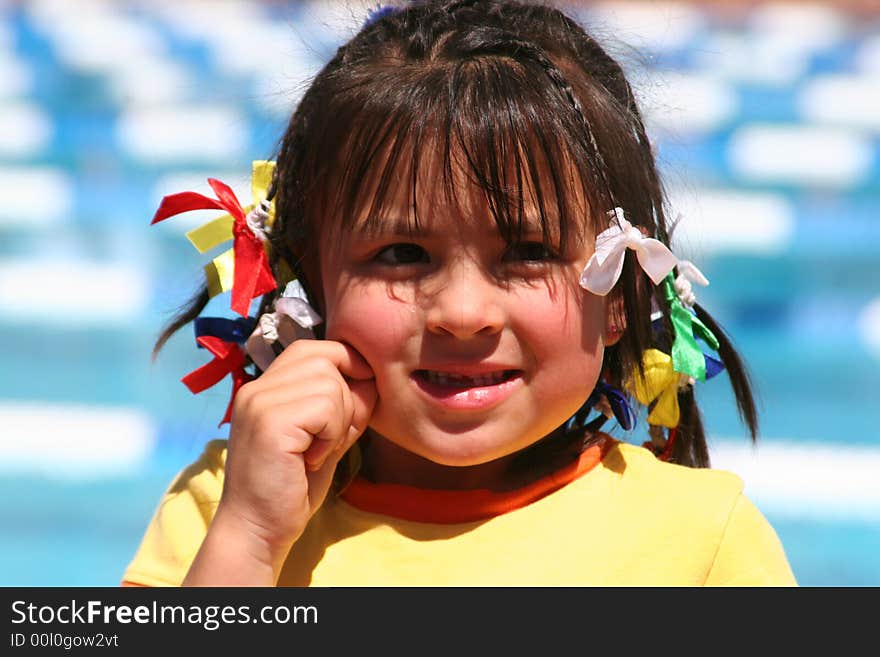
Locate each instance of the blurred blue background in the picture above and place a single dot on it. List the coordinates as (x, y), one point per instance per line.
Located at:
(766, 118)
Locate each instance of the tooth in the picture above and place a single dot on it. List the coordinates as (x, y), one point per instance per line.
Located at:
(454, 379)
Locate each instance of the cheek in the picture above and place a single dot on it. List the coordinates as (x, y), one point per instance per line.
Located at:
(572, 324)
(372, 321)
(566, 340)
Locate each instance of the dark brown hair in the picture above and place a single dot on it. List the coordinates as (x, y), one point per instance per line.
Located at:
(520, 96)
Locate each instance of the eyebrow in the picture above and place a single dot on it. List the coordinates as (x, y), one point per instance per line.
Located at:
(379, 226)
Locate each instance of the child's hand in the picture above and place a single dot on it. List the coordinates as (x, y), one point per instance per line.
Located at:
(289, 429)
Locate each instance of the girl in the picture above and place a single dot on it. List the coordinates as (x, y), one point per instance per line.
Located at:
(469, 259)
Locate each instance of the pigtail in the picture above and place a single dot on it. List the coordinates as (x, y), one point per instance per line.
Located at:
(736, 372)
(686, 444)
(187, 313)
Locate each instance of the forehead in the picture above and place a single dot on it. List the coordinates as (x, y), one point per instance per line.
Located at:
(433, 186)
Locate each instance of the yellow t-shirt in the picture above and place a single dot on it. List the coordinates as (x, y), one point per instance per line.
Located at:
(629, 520)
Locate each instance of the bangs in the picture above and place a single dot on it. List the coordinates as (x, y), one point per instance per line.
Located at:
(489, 125)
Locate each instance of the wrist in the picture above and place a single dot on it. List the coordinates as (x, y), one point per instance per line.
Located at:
(259, 542)
(236, 552)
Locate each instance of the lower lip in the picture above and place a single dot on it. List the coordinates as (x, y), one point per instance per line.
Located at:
(468, 399)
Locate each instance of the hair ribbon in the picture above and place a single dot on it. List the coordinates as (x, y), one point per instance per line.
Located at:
(229, 358)
(246, 265)
(605, 265)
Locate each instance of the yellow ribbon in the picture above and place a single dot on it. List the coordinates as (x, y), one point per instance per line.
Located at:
(215, 232)
(660, 383)
(261, 178)
(219, 272)
(209, 235)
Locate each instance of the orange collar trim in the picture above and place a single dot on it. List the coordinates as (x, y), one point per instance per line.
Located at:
(461, 506)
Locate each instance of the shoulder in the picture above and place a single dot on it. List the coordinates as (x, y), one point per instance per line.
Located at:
(699, 512)
(638, 465)
(676, 493)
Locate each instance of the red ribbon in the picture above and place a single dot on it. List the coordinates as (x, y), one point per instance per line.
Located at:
(252, 275)
(228, 359)
(666, 453)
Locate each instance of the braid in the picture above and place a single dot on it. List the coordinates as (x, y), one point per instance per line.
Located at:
(563, 85)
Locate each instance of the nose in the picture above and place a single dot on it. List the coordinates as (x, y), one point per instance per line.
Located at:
(466, 303)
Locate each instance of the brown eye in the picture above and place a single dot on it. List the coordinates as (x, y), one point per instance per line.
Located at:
(402, 254)
(528, 252)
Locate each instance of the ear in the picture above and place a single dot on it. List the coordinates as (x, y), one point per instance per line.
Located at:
(615, 319)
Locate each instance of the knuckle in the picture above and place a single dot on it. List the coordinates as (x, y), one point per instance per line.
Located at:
(245, 397)
(326, 406)
(301, 348)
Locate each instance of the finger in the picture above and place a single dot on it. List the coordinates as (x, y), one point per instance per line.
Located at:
(346, 359)
(285, 390)
(364, 396)
(318, 452)
(295, 426)
(352, 365)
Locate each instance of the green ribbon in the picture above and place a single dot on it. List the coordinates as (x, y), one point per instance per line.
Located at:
(687, 357)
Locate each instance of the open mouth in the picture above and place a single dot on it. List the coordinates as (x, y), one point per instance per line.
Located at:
(461, 381)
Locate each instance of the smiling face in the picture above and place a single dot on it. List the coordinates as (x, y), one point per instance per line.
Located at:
(480, 346)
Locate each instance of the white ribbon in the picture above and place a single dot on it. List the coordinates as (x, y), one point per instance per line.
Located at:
(295, 304)
(687, 274)
(604, 267)
(292, 320)
(258, 220)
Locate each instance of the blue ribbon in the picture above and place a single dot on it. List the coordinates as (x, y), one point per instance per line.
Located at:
(236, 330)
(713, 366)
(618, 401)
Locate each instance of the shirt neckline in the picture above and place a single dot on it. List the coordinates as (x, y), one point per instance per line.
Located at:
(462, 506)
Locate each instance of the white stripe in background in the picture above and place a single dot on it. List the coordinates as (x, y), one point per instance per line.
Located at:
(745, 58)
(807, 26)
(151, 80)
(34, 197)
(686, 103)
(838, 482)
(653, 25)
(71, 441)
(776, 47)
(80, 293)
(729, 221)
(25, 130)
(246, 57)
(869, 329)
(16, 77)
(338, 21)
(801, 155)
(198, 20)
(7, 39)
(867, 58)
(847, 100)
(170, 134)
(104, 39)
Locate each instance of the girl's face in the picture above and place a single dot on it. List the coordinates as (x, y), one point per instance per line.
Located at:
(479, 347)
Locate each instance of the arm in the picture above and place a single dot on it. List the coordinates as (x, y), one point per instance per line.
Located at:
(289, 429)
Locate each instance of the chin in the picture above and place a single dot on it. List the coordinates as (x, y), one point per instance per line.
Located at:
(461, 449)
